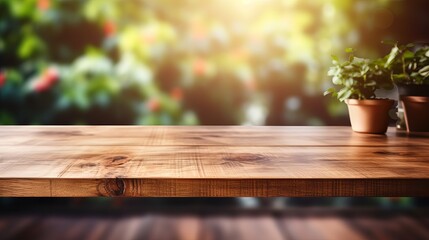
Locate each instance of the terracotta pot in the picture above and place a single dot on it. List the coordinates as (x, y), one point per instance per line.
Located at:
(408, 90)
(369, 116)
(416, 111)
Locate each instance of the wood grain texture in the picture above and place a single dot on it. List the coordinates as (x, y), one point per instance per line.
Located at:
(210, 161)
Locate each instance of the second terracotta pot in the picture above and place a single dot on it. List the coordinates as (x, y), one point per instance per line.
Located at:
(370, 115)
(416, 111)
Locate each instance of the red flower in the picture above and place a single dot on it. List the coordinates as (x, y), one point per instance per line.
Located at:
(43, 4)
(109, 28)
(200, 67)
(153, 105)
(176, 93)
(2, 79)
(40, 86)
(50, 75)
(48, 78)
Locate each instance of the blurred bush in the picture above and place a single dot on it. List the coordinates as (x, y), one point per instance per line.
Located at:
(182, 62)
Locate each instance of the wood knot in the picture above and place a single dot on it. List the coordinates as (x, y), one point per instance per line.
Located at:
(115, 187)
(387, 153)
(247, 158)
(118, 158)
(85, 165)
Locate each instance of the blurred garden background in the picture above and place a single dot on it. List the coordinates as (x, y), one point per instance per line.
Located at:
(188, 62)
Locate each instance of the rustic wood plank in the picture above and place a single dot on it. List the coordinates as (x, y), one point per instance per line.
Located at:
(210, 161)
(202, 135)
(215, 187)
(176, 162)
(25, 187)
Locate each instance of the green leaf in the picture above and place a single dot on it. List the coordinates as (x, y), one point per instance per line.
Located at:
(335, 59)
(345, 95)
(336, 80)
(28, 46)
(408, 55)
(392, 56)
(349, 82)
(399, 78)
(329, 91)
(350, 50)
(364, 70)
(332, 71)
(424, 69)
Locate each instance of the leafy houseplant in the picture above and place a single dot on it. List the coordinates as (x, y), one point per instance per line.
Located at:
(409, 67)
(359, 78)
(410, 73)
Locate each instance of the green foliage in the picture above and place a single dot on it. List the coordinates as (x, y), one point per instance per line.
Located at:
(358, 78)
(409, 64)
(73, 62)
(170, 62)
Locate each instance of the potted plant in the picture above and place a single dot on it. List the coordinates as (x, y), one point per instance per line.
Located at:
(410, 73)
(358, 79)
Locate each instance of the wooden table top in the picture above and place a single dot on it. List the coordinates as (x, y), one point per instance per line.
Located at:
(210, 161)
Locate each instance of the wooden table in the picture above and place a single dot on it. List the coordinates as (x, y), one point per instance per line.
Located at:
(202, 161)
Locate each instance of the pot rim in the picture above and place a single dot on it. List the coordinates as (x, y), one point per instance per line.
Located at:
(420, 99)
(370, 102)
